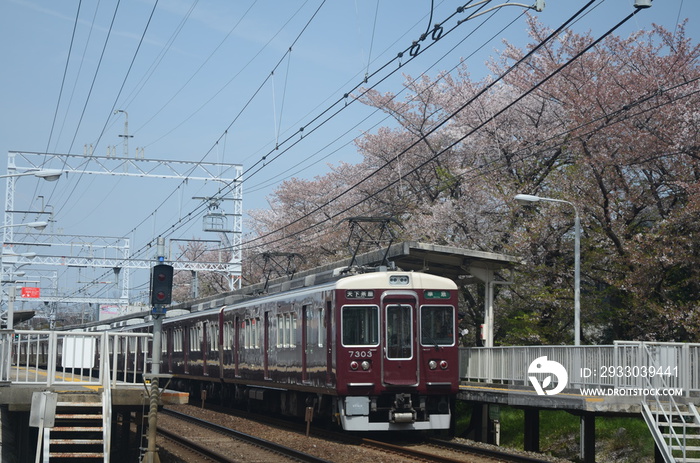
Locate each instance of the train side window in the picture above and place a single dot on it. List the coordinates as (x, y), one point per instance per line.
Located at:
(360, 325)
(321, 324)
(213, 333)
(310, 327)
(280, 330)
(437, 325)
(227, 335)
(246, 333)
(256, 333)
(287, 328)
(293, 331)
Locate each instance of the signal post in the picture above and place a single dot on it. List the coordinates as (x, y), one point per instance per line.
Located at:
(161, 296)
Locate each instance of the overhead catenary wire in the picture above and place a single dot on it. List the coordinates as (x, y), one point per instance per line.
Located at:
(451, 145)
(114, 104)
(436, 127)
(263, 159)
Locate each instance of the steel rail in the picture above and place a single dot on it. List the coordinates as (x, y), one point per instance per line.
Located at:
(262, 443)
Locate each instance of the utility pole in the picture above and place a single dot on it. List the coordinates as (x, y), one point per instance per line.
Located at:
(161, 296)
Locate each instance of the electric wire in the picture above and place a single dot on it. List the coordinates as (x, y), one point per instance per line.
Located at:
(65, 73)
(191, 215)
(449, 146)
(557, 71)
(435, 128)
(94, 78)
(114, 104)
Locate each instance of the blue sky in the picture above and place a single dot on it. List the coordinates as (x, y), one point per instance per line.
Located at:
(209, 93)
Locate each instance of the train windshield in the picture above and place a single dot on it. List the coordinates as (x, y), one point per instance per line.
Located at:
(437, 325)
(399, 334)
(360, 326)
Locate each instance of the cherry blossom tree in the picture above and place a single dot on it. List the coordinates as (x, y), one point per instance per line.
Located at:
(206, 283)
(614, 130)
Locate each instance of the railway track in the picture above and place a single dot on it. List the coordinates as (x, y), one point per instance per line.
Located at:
(346, 447)
(231, 452)
(440, 451)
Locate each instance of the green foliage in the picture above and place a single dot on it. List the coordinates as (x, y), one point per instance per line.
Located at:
(616, 134)
(618, 439)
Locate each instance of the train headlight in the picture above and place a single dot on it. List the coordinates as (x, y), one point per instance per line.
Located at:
(443, 364)
(365, 365)
(432, 364)
(354, 365)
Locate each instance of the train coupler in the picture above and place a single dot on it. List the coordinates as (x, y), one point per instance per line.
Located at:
(403, 411)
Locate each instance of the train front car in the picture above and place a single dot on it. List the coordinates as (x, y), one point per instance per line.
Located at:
(397, 355)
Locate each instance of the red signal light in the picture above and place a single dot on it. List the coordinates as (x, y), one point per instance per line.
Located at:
(161, 284)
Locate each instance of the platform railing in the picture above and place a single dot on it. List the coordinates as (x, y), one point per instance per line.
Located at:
(622, 365)
(72, 358)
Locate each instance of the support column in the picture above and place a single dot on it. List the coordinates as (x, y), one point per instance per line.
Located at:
(588, 438)
(125, 431)
(479, 425)
(532, 430)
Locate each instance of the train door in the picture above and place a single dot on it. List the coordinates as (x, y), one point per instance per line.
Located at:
(305, 313)
(328, 340)
(187, 340)
(236, 346)
(169, 348)
(205, 347)
(399, 343)
(266, 346)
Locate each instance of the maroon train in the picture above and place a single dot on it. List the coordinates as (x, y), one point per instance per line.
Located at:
(376, 351)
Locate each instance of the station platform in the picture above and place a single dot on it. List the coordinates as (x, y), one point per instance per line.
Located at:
(570, 400)
(18, 397)
(659, 382)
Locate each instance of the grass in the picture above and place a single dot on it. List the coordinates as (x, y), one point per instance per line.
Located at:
(618, 439)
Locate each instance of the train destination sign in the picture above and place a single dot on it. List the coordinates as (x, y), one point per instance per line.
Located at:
(359, 294)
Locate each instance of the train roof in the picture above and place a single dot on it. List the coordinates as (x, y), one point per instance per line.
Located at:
(446, 261)
(453, 263)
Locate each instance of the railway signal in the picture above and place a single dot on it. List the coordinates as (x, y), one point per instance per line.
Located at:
(161, 284)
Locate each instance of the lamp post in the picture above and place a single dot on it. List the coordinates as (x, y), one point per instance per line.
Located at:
(527, 199)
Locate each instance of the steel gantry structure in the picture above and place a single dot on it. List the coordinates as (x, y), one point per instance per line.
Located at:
(115, 252)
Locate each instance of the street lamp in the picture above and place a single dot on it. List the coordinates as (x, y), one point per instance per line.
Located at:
(50, 175)
(527, 199)
(35, 225)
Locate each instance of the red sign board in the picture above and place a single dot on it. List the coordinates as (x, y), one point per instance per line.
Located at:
(28, 291)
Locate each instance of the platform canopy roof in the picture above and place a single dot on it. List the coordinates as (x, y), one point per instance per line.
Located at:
(447, 261)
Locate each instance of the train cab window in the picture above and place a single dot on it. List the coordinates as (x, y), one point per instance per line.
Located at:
(399, 335)
(360, 325)
(437, 325)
